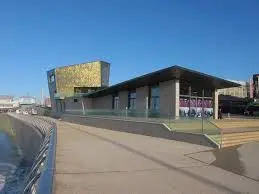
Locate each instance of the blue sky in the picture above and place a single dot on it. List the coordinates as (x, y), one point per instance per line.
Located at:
(218, 37)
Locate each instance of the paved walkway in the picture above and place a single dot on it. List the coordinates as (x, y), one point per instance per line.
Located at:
(93, 160)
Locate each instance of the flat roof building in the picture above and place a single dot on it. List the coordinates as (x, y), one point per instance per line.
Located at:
(7, 103)
(256, 86)
(174, 91)
(73, 79)
(242, 91)
(27, 100)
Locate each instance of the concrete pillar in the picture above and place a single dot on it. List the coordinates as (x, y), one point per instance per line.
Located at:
(142, 99)
(169, 98)
(215, 104)
(58, 106)
(176, 98)
(123, 100)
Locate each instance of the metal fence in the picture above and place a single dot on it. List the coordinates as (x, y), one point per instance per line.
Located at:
(40, 179)
(196, 125)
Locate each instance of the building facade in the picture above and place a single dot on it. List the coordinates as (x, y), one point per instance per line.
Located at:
(27, 100)
(76, 79)
(256, 86)
(241, 91)
(47, 102)
(7, 103)
(174, 91)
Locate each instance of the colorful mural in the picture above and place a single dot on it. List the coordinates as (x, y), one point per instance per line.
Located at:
(195, 107)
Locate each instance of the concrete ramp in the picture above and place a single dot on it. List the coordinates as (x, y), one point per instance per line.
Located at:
(139, 127)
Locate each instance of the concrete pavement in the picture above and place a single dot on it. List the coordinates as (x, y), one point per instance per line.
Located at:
(94, 160)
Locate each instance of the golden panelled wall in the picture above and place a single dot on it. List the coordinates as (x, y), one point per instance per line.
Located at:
(82, 75)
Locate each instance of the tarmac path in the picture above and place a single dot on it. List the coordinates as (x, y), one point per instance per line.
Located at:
(94, 160)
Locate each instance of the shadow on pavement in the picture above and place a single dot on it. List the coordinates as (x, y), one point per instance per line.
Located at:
(160, 162)
(229, 159)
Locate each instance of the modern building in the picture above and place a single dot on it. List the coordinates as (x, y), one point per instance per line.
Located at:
(174, 91)
(7, 103)
(256, 86)
(27, 100)
(241, 91)
(75, 79)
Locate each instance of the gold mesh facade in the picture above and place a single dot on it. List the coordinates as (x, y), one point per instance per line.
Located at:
(81, 75)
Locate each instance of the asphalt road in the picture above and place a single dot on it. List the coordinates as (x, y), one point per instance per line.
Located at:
(93, 160)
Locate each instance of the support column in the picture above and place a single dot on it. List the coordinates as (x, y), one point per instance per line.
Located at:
(215, 104)
(123, 100)
(176, 96)
(169, 98)
(142, 99)
(190, 94)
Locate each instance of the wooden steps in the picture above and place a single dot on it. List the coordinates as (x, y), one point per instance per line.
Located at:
(225, 124)
(237, 138)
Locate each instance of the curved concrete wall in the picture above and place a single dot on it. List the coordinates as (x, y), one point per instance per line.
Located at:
(36, 139)
(28, 138)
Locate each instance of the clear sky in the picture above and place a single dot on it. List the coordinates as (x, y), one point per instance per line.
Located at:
(219, 37)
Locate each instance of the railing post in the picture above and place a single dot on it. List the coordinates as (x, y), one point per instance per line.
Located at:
(83, 106)
(169, 120)
(126, 113)
(221, 136)
(202, 129)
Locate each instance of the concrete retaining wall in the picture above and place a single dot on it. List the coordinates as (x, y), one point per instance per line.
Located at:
(143, 128)
(27, 137)
(36, 139)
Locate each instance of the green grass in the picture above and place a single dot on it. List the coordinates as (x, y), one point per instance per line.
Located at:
(194, 126)
(216, 138)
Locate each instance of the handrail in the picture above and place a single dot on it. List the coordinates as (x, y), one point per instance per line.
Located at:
(45, 172)
(40, 179)
(46, 180)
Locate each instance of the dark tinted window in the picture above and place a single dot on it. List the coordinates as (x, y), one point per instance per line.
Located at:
(132, 100)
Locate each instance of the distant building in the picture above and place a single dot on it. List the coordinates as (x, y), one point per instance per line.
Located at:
(27, 100)
(251, 88)
(241, 91)
(47, 102)
(7, 103)
(75, 79)
(256, 86)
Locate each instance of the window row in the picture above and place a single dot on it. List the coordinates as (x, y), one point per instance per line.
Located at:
(154, 99)
(154, 96)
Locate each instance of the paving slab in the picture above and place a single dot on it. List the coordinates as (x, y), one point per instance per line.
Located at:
(240, 159)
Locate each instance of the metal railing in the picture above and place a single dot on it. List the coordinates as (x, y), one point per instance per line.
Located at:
(196, 124)
(40, 179)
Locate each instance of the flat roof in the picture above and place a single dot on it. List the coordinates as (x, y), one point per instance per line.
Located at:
(84, 63)
(5, 97)
(189, 76)
(76, 64)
